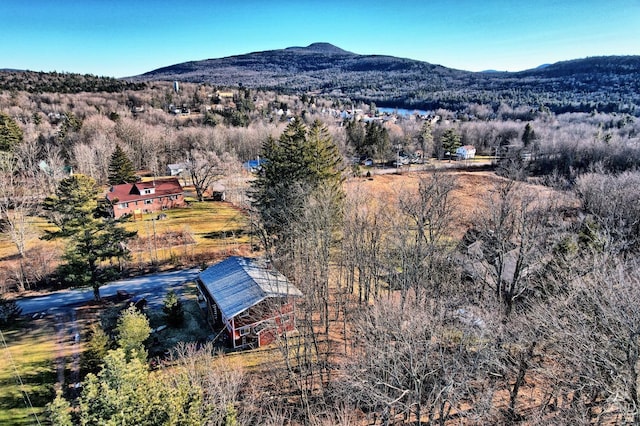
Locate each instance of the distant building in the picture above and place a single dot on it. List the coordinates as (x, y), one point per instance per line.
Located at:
(145, 197)
(466, 152)
(253, 166)
(253, 302)
(175, 169)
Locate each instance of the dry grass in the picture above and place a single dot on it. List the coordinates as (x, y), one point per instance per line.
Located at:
(208, 227)
(471, 189)
(30, 357)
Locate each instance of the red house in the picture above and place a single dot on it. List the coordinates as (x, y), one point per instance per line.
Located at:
(253, 302)
(145, 197)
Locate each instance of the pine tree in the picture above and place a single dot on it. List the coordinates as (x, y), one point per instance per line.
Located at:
(173, 309)
(121, 168)
(426, 140)
(133, 329)
(95, 350)
(297, 165)
(59, 411)
(529, 135)
(10, 133)
(90, 240)
(450, 142)
(376, 140)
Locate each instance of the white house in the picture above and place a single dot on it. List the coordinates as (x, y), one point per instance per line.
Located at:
(466, 152)
(175, 169)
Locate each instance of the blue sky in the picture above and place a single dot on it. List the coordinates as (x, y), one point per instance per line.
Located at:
(123, 38)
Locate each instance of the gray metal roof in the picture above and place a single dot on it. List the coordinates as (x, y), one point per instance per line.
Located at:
(238, 283)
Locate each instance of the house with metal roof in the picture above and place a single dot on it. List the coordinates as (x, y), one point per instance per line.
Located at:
(252, 301)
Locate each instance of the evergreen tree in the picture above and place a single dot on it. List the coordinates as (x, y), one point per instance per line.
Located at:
(450, 142)
(529, 135)
(10, 133)
(90, 240)
(355, 135)
(426, 140)
(59, 411)
(173, 309)
(95, 351)
(123, 393)
(121, 168)
(376, 140)
(133, 329)
(9, 311)
(297, 165)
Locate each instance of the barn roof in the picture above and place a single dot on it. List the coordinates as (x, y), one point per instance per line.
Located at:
(238, 283)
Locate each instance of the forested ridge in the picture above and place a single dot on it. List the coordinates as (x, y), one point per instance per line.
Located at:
(608, 84)
(62, 82)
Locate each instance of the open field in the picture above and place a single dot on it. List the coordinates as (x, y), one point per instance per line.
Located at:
(200, 231)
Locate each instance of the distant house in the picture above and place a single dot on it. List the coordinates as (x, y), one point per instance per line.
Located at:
(175, 169)
(253, 166)
(225, 95)
(466, 152)
(253, 302)
(145, 197)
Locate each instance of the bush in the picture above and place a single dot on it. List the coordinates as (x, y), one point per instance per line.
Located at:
(9, 311)
(173, 309)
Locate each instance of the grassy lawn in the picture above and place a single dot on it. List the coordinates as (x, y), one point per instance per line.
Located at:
(30, 354)
(206, 227)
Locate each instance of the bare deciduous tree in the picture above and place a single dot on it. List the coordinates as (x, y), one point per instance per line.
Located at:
(423, 366)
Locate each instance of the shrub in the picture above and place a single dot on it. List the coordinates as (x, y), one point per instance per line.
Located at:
(173, 309)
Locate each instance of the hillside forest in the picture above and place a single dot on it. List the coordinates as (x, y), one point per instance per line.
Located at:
(499, 290)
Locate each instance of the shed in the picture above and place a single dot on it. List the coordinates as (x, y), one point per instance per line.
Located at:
(176, 168)
(252, 301)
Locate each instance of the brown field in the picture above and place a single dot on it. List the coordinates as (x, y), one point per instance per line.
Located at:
(468, 196)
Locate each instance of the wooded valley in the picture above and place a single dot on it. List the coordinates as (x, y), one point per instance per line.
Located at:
(500, 289)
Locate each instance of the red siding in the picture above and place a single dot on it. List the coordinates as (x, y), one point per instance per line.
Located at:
(145, 197)
(155, 205)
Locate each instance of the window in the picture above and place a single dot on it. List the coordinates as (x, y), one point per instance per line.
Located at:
(244, 331)
(123, 205)
(148, 201)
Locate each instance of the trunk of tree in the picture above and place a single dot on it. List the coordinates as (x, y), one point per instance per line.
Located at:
(523, 367)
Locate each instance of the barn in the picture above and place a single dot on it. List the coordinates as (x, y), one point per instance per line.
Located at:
(252, 301)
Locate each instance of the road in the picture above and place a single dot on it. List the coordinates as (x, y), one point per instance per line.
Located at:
(153, 287)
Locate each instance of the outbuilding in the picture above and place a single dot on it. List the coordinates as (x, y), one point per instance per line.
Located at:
(252, 301)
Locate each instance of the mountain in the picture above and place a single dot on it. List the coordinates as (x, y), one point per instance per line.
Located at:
(293, 67)
(609, 83)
